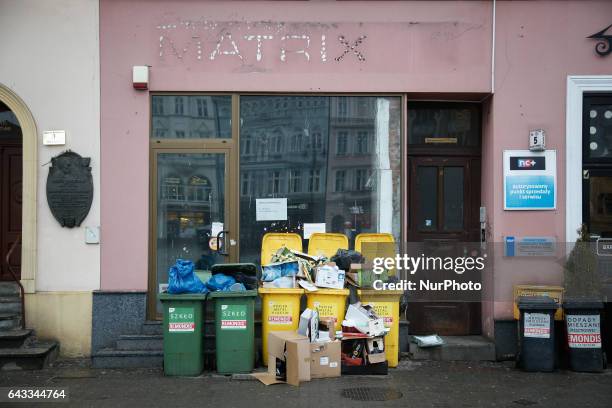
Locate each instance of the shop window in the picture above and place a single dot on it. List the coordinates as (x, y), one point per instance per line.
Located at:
(194, 116)
(353, 189)
(597, 129)
(448, 125)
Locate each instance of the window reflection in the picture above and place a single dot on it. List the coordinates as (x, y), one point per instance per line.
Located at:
(336, 159)
(191, 116)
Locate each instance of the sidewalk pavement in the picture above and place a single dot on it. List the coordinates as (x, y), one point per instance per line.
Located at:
(420, 384)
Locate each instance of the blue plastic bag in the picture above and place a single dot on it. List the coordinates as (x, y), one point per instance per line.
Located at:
(182, 279)
(220, 281)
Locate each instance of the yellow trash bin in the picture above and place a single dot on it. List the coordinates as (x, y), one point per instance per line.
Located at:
(331, 303)
(386, 305)
(280, 311)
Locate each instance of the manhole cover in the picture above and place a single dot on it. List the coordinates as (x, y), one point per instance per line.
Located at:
(371, 394)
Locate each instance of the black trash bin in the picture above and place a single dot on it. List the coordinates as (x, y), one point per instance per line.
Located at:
(583, 324)
(537, 333)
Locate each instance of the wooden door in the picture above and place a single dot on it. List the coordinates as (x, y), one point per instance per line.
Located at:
(444, 201)
(10, 205)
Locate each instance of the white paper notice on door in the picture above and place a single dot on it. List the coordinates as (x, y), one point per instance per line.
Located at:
(216, 228)
(271, 209)
(311, 228)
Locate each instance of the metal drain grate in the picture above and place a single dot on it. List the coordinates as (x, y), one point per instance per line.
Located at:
(371, 394)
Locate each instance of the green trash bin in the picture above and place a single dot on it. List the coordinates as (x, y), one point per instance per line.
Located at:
(235, 320)
(183, 333)
(235, 331)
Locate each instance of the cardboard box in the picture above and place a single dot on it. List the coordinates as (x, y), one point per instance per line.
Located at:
(329, 276)
(294, 350)
(375, 350)
(365, 319)
(325, 359)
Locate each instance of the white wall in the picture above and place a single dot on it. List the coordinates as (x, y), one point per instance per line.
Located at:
(50, 58)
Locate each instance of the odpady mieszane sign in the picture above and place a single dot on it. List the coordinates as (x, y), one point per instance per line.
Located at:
(530, 180)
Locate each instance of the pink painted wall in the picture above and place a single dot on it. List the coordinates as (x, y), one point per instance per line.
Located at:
(410, 47)
(538, 44)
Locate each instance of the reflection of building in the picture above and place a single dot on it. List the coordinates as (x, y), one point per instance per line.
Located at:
(318, 152)
(190, 116)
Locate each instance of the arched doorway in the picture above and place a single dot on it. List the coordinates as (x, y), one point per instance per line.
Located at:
(14, 111)
(11, 174)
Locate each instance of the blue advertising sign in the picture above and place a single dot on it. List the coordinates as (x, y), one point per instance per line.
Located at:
(530, 180)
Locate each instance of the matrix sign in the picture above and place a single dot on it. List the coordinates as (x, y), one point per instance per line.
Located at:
(530, 180)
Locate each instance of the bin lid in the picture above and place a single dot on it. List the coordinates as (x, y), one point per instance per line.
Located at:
(230, 294)
(582, 303)
(281, 291)
(537, 302)
(183, 296)
(230, 269)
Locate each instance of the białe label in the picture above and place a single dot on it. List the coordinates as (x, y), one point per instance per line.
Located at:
(537, 325)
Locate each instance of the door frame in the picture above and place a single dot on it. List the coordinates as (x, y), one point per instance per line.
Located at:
(577, 86)
(231, 202)
(29, 263)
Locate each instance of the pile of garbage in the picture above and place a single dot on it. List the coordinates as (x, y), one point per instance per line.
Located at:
(289, 268)
(183, 279)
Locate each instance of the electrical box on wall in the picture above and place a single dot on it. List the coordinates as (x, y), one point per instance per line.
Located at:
(140, 77)
(537, 140)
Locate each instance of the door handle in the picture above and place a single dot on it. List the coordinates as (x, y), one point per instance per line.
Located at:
(221, 246)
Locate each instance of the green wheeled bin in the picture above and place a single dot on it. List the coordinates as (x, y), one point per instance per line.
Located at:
(235, 331)
(235, 320)
(183, 334)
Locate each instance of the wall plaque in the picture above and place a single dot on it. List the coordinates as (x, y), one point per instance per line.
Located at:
(70, 188)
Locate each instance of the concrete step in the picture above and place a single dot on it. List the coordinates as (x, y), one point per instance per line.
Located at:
(9, 289)
(113, 358)
(10, 304)
(152, 327)
(15, 338)
(33, 357)
(10, 321)
(140, 342)
(456, 348)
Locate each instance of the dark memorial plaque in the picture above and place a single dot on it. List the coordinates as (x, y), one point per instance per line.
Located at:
(70, 188)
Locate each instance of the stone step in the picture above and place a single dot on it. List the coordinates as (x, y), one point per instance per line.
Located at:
(10, 304)
(34, 357)
(15, 338)
(10, 321)
(456, 348)
(9, 289)
(152, 327)
(113, 358)
(140, 342)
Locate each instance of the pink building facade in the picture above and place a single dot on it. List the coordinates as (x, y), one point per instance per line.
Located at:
(521, 66)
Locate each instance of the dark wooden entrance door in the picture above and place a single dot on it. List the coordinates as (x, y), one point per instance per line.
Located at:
(10, 203)
(444, 204)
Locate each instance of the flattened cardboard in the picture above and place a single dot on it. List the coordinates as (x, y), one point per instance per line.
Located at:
(325, 359)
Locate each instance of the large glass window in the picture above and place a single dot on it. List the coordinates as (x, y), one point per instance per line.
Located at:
(191, 116)
(597, 133)
(336, 160)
